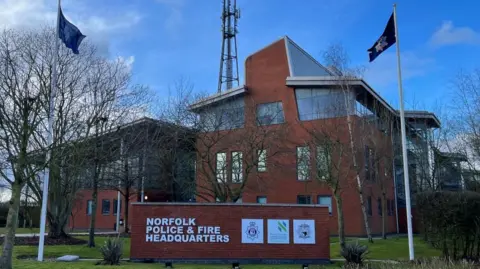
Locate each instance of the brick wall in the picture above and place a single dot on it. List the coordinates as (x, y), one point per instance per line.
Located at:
(266, 72)
(229, 218)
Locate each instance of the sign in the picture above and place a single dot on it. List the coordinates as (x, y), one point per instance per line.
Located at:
(278, 231)
(252, 231)
(182, 230)
(303, 231)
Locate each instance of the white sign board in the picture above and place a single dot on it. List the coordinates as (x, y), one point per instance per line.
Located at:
(182, 230)
(252, 231)
(278, 231)
(303, 231)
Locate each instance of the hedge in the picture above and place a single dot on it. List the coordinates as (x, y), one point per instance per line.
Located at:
(451, 222)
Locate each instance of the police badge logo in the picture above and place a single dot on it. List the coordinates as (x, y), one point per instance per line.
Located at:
(303, 231)
(252, 231)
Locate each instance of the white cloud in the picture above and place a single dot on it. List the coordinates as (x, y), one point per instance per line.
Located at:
(383, 71)
(175, 17)
(448, 34)
(99, 29)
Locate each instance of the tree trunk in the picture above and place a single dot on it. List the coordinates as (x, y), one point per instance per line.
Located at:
(384, 215)
(91, 233)
(12, 218)
(127, 202)
(364, 212)
(355, 165)
(341, 221)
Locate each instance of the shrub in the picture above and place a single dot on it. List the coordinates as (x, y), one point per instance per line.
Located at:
(354, 253)
(451, 223)
(112, 251)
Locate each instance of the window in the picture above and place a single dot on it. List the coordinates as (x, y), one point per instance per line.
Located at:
(379, 202)
(115, 204)
(325, 200)
(261, 199)
(271, 113)
(262, 160)
(323, 163)
(370, 167)
(392, 208)
(237, 172)
(303, 163)
(304, 200)
(389, 207)
(322, 103)
(225, 116)
(105, 207)
(367, 163)
(89, 207)
(221, 167)
(369, 205)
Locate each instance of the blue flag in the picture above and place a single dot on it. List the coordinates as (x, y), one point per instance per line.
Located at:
(385, 41)
(69, 33)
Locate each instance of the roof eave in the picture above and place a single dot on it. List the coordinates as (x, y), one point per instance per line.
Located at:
(211, 100)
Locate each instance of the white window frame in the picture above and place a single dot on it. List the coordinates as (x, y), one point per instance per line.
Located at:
(262, 160)
(237, 166)
(221, 168)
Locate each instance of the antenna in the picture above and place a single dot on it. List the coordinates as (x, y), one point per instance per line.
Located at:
(228, 59)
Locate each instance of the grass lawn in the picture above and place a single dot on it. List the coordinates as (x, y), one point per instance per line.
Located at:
(89, 265)
(81, 250)
(22, 230)
(392, 248)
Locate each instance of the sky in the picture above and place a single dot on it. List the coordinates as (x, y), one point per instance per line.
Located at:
(167, 40)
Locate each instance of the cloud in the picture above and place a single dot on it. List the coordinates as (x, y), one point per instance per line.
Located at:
(448, 34)
(175, 18)
(128, 61)
(100, 28)
(383, 71)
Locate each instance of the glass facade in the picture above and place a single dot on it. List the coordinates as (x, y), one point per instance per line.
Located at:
(225, 116)
(323, 103)
(270, 113)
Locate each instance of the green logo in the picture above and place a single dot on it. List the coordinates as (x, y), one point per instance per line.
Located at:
(282, 226)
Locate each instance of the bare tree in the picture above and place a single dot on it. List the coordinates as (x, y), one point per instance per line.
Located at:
(219, 129)
(332, 159)
(88, 87)
(337, 58)
(20, 115)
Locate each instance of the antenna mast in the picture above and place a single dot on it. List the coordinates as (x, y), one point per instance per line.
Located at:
(228, 59)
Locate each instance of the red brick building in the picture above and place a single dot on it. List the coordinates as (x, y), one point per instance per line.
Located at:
(257, 144)
(137, 161)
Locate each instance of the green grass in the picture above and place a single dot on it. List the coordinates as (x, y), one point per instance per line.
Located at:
(392, 249)
(22, 230)
(81, 250)
(89, 265)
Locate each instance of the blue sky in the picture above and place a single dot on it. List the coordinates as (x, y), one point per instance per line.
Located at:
(169, 39)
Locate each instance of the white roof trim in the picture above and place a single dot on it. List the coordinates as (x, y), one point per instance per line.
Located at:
(289, 61)
(218, 97)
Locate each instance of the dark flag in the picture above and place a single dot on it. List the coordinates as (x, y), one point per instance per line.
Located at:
(385, 41)
(69, 33)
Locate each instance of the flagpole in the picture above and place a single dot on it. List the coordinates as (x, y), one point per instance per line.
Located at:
(404, 141)
(51, 109)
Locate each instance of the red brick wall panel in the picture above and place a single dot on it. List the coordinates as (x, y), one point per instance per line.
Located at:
(228, 217)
